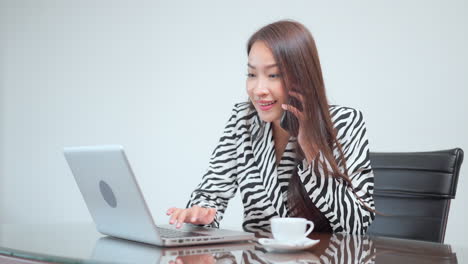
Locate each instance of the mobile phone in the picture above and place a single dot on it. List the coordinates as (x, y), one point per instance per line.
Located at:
(289, 121)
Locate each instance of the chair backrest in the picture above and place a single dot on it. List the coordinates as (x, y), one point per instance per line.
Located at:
(413, 190)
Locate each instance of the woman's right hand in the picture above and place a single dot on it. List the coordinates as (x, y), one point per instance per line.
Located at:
(195, 215)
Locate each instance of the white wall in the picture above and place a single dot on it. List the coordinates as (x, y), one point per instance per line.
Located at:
(160, 78)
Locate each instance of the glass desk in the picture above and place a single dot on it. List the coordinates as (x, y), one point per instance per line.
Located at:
(81, 243)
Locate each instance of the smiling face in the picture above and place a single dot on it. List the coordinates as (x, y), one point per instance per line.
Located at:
(264, 84)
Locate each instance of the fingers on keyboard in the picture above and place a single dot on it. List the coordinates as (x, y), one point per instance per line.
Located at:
(174, 216)
(194, 215)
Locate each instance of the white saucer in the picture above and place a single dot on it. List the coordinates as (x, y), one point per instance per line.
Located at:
(281, 246)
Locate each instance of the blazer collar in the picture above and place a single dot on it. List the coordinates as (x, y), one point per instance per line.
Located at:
(265, 158)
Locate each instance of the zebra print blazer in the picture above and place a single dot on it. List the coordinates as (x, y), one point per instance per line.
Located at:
(245, 159)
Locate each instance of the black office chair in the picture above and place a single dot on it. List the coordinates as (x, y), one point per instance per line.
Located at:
(414, 191)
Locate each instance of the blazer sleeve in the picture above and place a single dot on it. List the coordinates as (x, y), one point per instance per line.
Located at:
(219, 183)
(345, 211)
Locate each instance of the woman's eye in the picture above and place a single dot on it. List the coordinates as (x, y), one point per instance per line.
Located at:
(274, 75)
(250, 75)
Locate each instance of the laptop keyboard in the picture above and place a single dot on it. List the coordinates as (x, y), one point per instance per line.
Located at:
(171, 233)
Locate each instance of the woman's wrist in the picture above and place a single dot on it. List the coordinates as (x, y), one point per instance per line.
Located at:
(307, 152)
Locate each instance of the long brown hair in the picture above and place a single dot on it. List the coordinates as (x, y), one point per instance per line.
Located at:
(296, 55)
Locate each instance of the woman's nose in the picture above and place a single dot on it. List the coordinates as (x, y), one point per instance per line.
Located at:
(261, 88)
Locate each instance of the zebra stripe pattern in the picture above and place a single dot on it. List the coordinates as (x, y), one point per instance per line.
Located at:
(245, 159)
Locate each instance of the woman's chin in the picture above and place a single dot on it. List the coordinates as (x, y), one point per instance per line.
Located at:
(269, 118)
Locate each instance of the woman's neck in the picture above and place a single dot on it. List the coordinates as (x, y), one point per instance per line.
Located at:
(281, 139)
(278, 131)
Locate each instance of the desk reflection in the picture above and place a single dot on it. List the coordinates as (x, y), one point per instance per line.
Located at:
(115, 250)
(333, 248)
(345, 248)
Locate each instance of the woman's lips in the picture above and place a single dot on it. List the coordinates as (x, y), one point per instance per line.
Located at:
(266, 105)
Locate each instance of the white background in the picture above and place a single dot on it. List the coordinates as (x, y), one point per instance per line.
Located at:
(161, 78)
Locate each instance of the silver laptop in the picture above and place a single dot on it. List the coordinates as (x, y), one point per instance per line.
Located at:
(117, 206)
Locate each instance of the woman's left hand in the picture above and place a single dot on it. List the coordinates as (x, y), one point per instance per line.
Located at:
(305, 145)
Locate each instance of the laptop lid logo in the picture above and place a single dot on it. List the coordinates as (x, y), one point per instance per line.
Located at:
(107, 194)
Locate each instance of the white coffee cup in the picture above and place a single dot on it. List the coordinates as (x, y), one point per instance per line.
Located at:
(290, 229)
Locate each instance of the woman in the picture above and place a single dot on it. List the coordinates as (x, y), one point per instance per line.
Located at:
(323, 173)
